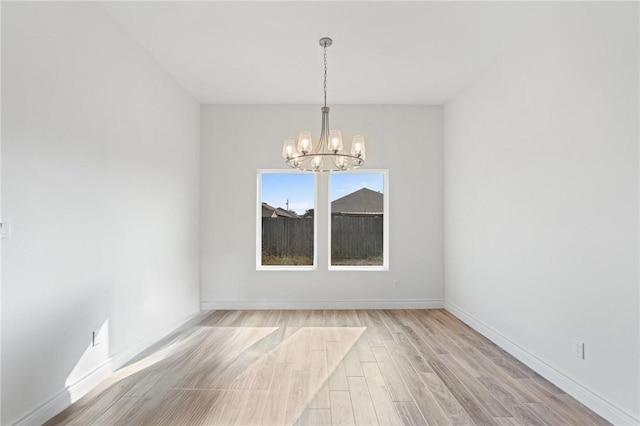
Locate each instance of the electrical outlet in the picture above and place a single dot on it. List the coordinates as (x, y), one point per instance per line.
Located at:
(5, 228)
(96, 338)
(396, 284)
(578, 349)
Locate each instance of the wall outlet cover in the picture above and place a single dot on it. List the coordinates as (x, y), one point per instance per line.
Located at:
(578, 348)
(5, 227)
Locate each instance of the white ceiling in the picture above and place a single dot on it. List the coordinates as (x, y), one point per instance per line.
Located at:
(383, 52)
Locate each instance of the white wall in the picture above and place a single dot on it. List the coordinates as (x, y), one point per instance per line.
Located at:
(541, 203)
(238, 140)
(100, 178)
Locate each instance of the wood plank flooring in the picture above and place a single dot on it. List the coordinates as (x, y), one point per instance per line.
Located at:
(348, 367)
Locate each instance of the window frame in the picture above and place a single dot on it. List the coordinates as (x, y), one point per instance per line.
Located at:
(259, 265)
(385, 224)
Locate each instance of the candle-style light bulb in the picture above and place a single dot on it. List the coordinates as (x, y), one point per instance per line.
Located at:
(316, 162)
(358, 147)
(335, 141)
(289, 149)
(305, 145)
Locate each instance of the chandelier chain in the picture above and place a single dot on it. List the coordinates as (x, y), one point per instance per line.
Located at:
(325, 75)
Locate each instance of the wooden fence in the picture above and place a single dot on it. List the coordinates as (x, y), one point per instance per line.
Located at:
(352, 237)
(356, 237)
(286, 236)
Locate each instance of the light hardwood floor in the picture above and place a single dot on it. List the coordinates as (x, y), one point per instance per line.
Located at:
(364, 367)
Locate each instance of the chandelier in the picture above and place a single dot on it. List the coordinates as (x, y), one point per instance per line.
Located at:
(328, 154)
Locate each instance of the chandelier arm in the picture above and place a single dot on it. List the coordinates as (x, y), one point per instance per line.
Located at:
(324, 131)
(353, 158)
(334, 162)
(305, 162)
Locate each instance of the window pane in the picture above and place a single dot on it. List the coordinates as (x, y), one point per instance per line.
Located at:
(286, 219)
(358, 209)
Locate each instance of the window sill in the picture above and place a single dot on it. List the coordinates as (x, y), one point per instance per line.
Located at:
(286, 268)
(359, 268)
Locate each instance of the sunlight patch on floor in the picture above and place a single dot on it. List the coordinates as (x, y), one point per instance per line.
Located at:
(277, 387)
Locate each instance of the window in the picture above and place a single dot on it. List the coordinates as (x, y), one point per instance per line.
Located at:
(286, 224)
(359, 220)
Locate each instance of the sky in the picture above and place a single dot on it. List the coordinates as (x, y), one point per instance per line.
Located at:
(346, 183)
(299, 188)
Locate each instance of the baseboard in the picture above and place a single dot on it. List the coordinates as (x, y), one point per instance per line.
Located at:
(323, 304)
(591, 399)
(62, 399)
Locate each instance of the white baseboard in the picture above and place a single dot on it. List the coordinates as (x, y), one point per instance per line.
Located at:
(323, 304)
(62, 399)
(591, 399)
